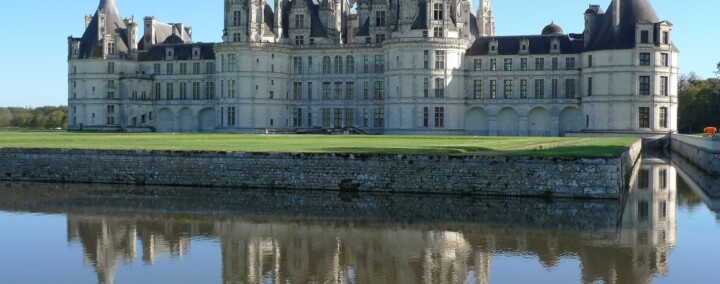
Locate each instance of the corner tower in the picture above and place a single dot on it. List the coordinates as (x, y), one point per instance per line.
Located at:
(485, 19)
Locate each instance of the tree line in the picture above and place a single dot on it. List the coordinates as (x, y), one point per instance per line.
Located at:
(699, 103)
(47, 117)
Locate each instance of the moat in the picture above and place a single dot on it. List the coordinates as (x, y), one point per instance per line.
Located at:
(663, 231)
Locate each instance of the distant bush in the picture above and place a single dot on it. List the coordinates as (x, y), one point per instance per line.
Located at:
(47, 117)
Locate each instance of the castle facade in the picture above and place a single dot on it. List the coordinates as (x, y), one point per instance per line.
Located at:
(375, 66)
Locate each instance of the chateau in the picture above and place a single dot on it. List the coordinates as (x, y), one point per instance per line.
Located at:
(375, 66)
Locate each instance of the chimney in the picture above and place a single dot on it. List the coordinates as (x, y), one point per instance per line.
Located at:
(179, 30)
(616, 13)
(132, 34)
(149, 33)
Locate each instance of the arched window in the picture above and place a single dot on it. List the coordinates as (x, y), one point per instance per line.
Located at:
(326, 65)
(350, 64)
(338, 65)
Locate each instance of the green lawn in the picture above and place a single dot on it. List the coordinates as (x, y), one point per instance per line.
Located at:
(423, 145)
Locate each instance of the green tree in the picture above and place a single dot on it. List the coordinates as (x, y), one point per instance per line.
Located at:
(699, 104)
(5, 117)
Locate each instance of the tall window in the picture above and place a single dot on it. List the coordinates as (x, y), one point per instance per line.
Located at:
(508, 66)
(426, 87)
(236, 18)
(326, 65)
(439, 117)
(590, 61)
(338, 65)
(665, 37)
(326, 91)
(231, 88)
(111, 68)
(493, 64)
(523, 64)
(350, 90)
(338, 90)
(523, 88)
(231, 116)
(426, 59)
(540, 88)
(645, 59)
(169, 95)
(493, 89)
(539, 63)
(379, 63)
(297, 91)
(439, 88)
(477, 64)
(554, 88)
(366, 90)
(380, 18)
(297, 65)
(169, 68)
(209, 90)
(158, 91)
(326, 117)
(183, 90)
(569, 88)
(237, 37)
(439, 59)
(349, 117)
(110, 114)
(297, 117)
(183, 68)
(337, 117)
(196, 91)
(309, 117)
(644, 117)
(379, 119)
(299, 40)
(438, 11)
(426, 117)
(663, 117)
(554, 63)
(210, 68)
(300, 21)
(569, 63)
(156, 68)
(379, 38)
(664, 86)
(231, 63)
(379, 90)
(111, 48)
(665, 59)
(350, 64)
(645, 85)
(589, 86)
(196, 68)
(309, 91)
(507, 91)
(477, 89)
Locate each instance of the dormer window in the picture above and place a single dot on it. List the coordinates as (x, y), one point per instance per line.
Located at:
(380, 18)
(438, 11)
(524, 46)
(300, 21)
(196, 53)
(169, 53)
(644, 37)
(493, 46)
(665, 37)
(111, 48)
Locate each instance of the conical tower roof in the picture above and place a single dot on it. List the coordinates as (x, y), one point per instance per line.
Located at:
(90, 44)
(617, 30)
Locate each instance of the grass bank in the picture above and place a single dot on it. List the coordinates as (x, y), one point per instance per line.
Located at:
(417, 145)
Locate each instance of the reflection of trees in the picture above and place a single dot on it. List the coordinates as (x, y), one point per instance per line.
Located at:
(686, 198)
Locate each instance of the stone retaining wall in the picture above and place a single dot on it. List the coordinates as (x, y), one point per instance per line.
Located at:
(473, 175)
(701, 152)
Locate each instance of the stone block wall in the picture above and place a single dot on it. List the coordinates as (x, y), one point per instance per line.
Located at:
(472, 175)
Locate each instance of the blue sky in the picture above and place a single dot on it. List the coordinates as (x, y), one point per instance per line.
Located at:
(34, 48)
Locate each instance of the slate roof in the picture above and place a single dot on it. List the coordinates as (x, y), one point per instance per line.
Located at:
(90, 45)
(510, 45)
(607, 36)
(182, 52)
(420, 22)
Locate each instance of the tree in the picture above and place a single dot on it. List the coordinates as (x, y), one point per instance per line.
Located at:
(717, 69)
(5, 117)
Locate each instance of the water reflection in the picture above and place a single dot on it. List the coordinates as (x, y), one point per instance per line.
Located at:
(453, 240)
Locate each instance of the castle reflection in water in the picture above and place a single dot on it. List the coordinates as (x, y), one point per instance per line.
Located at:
(256, 250)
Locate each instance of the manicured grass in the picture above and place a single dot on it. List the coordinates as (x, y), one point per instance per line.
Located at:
(421, 145)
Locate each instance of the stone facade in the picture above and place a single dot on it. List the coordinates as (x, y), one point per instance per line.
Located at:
(394, 67)
(701, 152)
(475, 175)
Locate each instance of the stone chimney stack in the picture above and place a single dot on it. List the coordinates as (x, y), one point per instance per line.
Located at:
(149, 33)
(88, 19)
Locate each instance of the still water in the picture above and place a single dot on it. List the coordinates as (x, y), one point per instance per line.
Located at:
(664, 231)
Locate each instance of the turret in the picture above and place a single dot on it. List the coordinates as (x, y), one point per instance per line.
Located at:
(590, 19)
